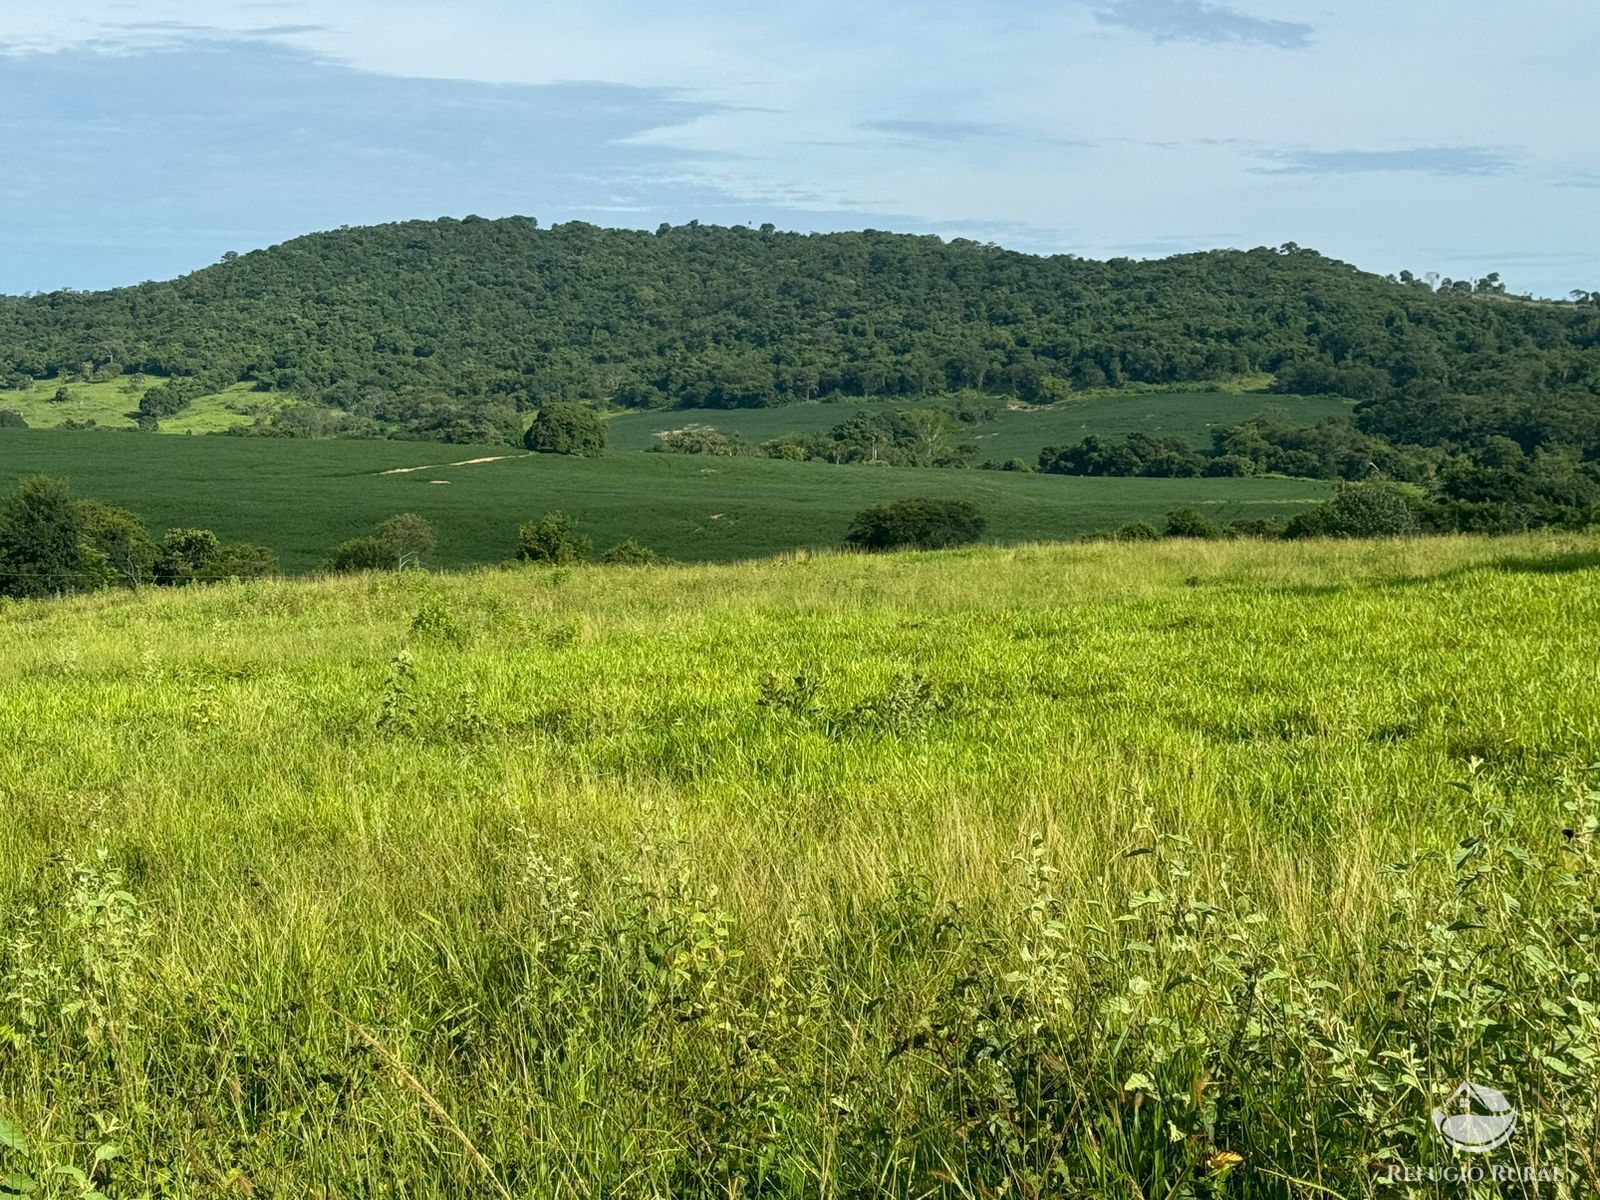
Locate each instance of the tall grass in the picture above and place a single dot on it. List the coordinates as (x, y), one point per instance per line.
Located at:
(1124, 871)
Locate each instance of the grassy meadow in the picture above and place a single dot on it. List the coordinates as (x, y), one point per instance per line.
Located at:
(1135, 871)
(302, 498)
(114, 403)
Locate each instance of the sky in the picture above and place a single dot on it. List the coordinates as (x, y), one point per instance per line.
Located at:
(145, 138)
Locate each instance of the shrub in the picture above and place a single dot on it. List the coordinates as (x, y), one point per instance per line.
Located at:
(790, 448)
(917, 523)
(1257, 527)
(185, 556)
(1191, 523)
(1137, 531)
(1362, 510)
(694, 439)
(241, 560)
(11, 419)
(360, 554)
(630, 553)
(566, 429)
(552, 539)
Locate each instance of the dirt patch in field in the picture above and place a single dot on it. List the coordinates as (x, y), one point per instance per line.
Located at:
(465, 462)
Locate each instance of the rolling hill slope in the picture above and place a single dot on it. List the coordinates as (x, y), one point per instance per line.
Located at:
(448, 328)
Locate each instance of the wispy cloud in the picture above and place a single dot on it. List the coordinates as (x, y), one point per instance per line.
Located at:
(927, 134)
(1197, 21)
(1426, 160)
(932, 131)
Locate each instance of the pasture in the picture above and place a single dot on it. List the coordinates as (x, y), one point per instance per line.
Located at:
(113, 404)
(301, 498)
(1133, 871)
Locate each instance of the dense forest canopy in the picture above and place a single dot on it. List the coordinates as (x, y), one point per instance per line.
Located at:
(452, 328)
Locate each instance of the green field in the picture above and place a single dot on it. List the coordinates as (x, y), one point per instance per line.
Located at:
(302, 498)
(109, 403)
(1177, 870)
(1019, 431)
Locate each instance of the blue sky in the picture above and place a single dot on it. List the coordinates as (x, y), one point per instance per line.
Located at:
(144, 138)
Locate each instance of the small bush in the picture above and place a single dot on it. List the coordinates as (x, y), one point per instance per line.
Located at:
(360, 554)
(436, 619)
(11, 419)
(1257, 527)
(242, 560)
(1191, 523)
(1137, 531)
(918, 523)
(695, 439)
(630, 553)
(553, 538)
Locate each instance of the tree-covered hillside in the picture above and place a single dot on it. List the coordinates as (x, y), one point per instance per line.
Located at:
(449, 328)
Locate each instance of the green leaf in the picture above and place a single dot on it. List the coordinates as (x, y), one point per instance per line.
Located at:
(12, 1138)
(17, 1184)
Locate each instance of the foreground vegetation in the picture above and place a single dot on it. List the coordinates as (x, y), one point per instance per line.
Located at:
(1186, 869)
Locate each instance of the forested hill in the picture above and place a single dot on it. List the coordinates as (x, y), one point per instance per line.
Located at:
(480, 316)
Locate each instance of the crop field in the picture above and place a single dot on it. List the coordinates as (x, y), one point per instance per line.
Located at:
(1016, 432)
(112, 403)
(302, 498)
(1134, 871)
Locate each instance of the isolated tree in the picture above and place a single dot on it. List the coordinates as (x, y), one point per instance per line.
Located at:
(407, 538)
(553, 538)
(931, 436)
(916, 523)
(119, 547)
(566, 429)
(41, 540)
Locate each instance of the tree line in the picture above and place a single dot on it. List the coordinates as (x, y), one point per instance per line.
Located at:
(53, 544)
